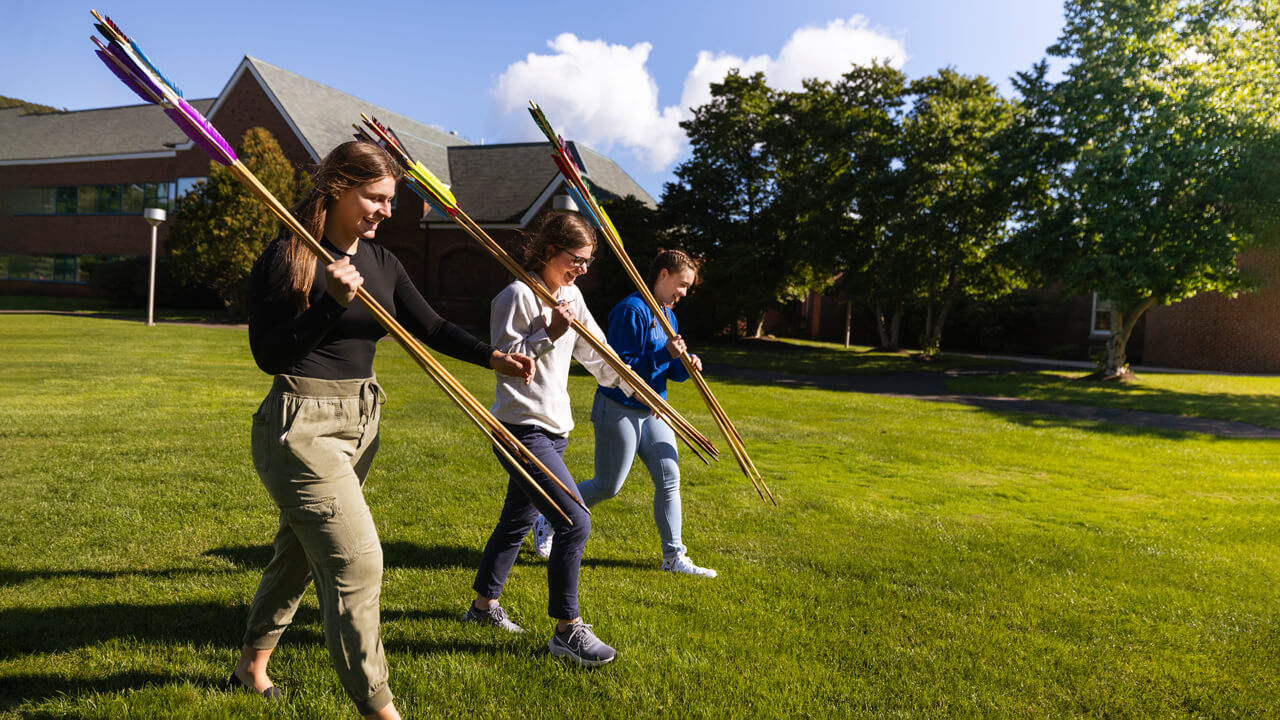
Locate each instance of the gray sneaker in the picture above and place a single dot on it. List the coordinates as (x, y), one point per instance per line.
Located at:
(496, 616)
(580, 644)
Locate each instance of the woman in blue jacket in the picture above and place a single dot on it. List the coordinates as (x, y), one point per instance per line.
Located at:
(625, 428)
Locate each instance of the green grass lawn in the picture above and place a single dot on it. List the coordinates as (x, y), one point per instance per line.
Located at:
(812, 357)
(99, 306)
(1250, 399)
(927, 560)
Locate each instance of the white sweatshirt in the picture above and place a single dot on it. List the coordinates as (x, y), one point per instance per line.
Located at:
(518, 324)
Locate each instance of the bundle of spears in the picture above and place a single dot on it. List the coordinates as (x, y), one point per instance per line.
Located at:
(423, 182)
(124, 58)
(586, 200)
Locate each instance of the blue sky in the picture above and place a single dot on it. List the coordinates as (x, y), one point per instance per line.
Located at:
(617, 78)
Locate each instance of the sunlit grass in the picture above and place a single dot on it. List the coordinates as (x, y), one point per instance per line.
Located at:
(926, 560)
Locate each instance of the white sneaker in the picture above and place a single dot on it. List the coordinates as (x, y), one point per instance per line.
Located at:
(682, 564)
(543, 534)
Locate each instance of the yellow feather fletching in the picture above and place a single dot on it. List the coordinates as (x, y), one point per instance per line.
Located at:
(432, 183)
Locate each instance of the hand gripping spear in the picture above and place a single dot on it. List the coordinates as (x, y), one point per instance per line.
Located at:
(586, 200)
(428, 186)
(124, 58)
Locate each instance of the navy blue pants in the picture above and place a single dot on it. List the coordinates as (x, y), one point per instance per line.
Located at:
(521, 508)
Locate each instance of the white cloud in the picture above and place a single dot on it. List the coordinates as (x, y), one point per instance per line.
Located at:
(604, 95)
(598, 93)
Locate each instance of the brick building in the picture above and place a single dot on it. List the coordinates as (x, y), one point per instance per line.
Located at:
(1210, 331)
(73, 184)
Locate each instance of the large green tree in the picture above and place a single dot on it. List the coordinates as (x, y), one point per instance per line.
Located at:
(957, 208)
(1163, 131)
(839, 187)
(219, 228)
(720, 205)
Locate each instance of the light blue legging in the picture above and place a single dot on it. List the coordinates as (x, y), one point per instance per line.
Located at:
(622, 433)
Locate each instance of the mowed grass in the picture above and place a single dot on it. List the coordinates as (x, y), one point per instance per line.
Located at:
(926, 560)
(813, 357)
(1243, 398)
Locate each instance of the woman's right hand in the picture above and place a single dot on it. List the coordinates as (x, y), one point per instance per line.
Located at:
(676, 347)
(562, 316)
(342, 280)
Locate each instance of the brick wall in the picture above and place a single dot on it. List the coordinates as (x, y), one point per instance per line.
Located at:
(1215, 332)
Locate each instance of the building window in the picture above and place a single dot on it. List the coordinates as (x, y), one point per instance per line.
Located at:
(1103, 318)
(186, 185)
(65, 200)
(127, 199)
(46, 268)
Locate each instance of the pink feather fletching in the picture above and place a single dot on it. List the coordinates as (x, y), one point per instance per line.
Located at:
(201, 132)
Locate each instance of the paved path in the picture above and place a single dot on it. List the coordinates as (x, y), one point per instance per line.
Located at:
(932, 386)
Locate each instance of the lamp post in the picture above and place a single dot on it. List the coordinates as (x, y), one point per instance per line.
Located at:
(153, 216)
(563, 203)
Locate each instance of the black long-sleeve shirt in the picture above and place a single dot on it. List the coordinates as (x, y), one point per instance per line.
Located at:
(330, 342)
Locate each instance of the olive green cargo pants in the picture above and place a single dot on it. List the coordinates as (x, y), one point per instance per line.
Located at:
(313, 442)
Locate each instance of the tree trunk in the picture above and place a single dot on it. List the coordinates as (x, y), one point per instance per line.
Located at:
(759, 331)
(1115, 364)
(848, 320)
(931, 344)
(895, 329)
(878, 316)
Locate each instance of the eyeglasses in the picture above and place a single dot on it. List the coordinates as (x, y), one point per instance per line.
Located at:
(579, 261)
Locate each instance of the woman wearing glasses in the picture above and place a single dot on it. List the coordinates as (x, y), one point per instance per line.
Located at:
(539, 415)
(625, 428)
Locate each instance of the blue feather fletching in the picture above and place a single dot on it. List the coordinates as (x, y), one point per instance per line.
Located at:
(146, 60)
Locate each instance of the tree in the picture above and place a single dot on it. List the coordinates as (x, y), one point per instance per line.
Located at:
(1164, 133)
(839, 187)
(719, 207)
(638, 226)
(219, 228)
(957, 210)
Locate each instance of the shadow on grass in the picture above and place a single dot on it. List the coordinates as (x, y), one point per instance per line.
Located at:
(58, 629)
(10, 577)
(1255, 408)
(18, 689)
(398, 554)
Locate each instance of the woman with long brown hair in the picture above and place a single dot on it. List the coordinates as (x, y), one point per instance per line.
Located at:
(316, 433)
(538, 413)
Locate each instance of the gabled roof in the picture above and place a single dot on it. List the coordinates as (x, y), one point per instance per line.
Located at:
(322, 116)
(504, 184)
(131, 130)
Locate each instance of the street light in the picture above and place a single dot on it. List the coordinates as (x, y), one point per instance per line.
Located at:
(153, 216)
(563, 203)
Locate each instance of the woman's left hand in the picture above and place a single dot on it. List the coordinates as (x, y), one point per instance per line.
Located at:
(512, 364)
(697, 362)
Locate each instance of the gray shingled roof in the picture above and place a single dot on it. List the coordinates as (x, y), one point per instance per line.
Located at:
(81, 133)
(610, 181)
(324, 117)
(498, 183)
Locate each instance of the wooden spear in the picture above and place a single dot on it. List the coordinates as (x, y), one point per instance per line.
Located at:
(125, 59)
(577, 185)
(427, 185)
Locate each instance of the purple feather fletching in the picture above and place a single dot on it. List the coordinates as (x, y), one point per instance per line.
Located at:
(140, 76)
(193, 123)
(125, 77)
